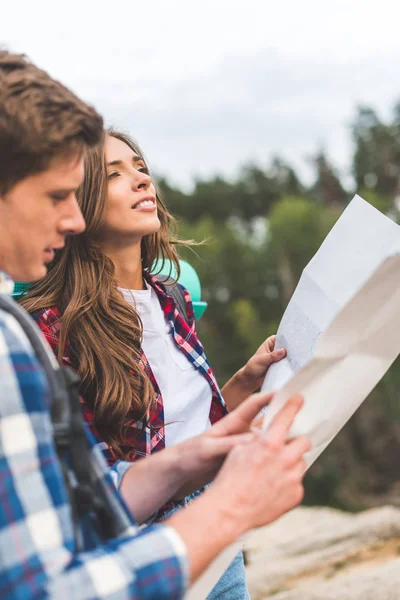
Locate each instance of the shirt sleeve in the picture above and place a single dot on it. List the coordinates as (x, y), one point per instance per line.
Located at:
(117, 472)
(37, 556)
(150, 565)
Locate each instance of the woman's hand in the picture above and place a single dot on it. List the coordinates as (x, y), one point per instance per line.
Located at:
(256, 368)
(250, 377)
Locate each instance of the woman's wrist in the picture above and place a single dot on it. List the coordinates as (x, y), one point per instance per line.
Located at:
(244, 384)
(237, 389)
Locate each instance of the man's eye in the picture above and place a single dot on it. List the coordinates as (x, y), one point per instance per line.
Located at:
(113, 175)
(59, 196)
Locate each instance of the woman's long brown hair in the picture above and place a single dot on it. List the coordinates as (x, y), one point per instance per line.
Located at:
(100, 332)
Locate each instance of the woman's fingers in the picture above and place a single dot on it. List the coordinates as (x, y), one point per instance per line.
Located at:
(262, 361)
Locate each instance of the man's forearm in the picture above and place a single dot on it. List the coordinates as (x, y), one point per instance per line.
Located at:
(152, 481)
(205, 528)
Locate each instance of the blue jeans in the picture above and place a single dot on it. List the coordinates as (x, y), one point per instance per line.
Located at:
(232, 585)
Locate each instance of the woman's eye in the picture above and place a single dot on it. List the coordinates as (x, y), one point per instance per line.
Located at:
(113, 175)
(144, 170)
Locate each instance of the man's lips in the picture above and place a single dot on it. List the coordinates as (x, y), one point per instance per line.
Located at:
(50, 252)
(53, 248)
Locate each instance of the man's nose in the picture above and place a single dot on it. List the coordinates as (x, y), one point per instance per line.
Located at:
(72, 221)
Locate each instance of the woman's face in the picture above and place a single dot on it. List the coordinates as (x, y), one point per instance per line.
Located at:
(131, 209)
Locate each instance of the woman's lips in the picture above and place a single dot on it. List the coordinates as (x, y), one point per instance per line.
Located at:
(146, 204)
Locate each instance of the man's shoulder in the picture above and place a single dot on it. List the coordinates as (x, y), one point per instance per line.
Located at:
(13, 338)
(23, 382)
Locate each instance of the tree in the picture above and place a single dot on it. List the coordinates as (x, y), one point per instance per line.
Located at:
(376, 162)
(327, 188)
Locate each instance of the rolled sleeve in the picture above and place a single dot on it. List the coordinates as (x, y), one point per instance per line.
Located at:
(38, 558)
(117, 472)
(152, 565)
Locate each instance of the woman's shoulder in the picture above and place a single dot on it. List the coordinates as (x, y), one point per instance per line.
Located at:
(50, 315)
(179, 293)
(49, 321)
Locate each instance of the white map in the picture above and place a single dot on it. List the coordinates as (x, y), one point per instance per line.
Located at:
(358, 243)
(342, 332)
(300, 334)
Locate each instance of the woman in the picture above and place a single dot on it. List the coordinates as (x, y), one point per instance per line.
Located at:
(146, 382)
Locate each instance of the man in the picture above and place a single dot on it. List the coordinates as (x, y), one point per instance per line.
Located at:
(43, 130)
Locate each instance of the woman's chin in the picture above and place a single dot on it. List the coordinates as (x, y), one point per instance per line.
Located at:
(148, 229)
(153, 226)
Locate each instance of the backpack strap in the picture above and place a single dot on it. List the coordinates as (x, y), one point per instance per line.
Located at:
(60, 407)
(176, 292)
(86, 494)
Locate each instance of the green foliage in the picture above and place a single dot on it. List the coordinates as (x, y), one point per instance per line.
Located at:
(382, 202)
(376, 161)
(261, 230)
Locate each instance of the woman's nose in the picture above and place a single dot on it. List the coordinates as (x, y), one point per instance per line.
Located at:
(141, 181)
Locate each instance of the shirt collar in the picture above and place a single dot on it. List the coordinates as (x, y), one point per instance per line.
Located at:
(6, 284)
(160, 290)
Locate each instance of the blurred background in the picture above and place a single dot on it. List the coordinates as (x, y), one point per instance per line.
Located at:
(260, 121)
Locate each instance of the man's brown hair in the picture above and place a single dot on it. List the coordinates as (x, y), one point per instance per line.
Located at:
(40, 119)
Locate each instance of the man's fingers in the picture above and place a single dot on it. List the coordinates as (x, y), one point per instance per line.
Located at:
(257, 423)
(282, 422)
(239, 420)
(295, 449)
(220, 446)
(298, 470)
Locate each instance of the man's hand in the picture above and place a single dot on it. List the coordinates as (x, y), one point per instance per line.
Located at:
(262, 479)
(259, 481)
(184, 468)
(250, 377)
(203, 455)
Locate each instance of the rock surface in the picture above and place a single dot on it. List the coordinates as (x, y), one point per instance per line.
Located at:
(325, 554)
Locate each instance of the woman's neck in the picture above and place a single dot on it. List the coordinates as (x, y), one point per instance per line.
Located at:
(127, 262)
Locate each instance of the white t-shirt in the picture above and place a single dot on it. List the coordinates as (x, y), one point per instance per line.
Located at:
(186, 392)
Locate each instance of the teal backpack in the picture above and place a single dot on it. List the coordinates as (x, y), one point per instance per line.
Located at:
(167, 275)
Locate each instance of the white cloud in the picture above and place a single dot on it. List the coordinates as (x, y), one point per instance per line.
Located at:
(205, 86)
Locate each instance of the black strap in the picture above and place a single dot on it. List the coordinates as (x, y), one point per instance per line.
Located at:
(60, 406)
(176, 292)
(87, 493)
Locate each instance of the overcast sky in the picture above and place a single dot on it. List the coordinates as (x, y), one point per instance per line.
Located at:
(205, 86)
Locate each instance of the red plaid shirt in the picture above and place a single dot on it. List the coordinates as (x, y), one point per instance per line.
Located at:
(144, 441)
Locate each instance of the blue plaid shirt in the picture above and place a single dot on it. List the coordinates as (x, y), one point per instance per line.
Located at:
(37, 557)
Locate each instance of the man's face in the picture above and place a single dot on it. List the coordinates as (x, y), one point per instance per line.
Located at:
(35, 217)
